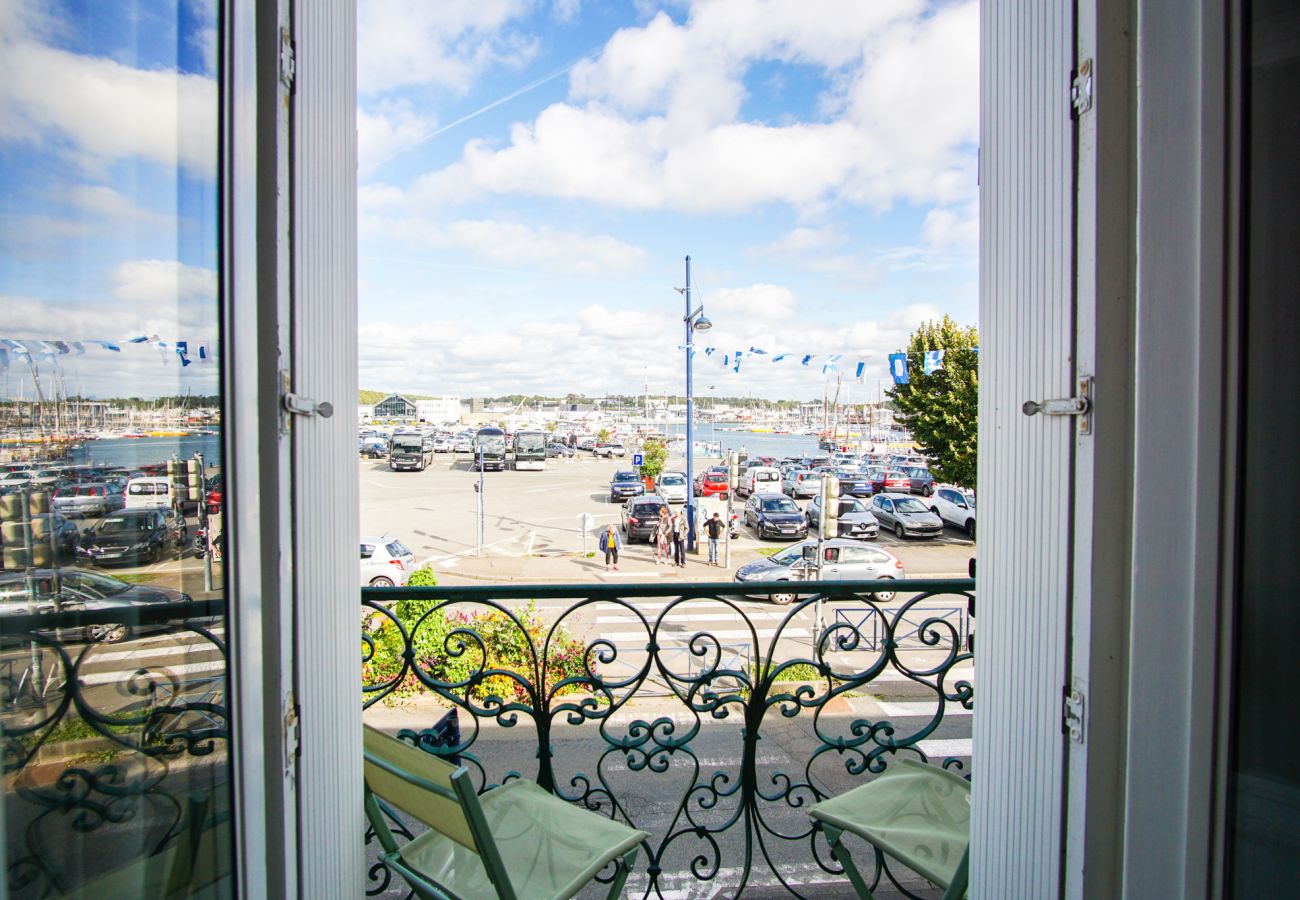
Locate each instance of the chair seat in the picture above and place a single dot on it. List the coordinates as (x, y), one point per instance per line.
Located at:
(917, 813)
(550, 847)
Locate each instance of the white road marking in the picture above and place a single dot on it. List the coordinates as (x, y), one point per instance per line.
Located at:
(920, 710)
(187, 669)
(684, 637)
(684, 617)
(941, 749)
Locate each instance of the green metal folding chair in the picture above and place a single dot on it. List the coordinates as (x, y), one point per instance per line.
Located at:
(915, 813)
(517, 840)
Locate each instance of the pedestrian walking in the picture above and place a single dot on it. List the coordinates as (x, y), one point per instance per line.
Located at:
(681, 535)
(713, 528)
(663, 536)
(610, 542)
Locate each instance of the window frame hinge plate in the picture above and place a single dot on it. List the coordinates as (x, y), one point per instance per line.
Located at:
(1074, 710)
(1081, 89)
(288, 61)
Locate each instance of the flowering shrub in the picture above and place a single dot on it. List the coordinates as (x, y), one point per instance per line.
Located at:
(451, 658)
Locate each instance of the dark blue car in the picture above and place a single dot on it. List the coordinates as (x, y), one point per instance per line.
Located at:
(625, 484)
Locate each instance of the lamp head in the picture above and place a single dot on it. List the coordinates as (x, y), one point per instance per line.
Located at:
(702, 323)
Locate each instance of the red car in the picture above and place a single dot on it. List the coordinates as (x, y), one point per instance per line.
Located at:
(214, 497)
(891, 480)
(711, 483)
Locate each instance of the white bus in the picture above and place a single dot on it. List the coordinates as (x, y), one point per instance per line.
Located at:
(530, 451)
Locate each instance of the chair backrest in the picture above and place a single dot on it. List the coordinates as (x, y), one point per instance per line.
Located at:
(418, 783)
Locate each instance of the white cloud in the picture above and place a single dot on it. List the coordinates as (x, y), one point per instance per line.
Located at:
(800, 240)
(566, 10)
(103, 110)
(958, 228)
(164, 282)
(402, 43)
(652, 123)
(387, 129)
(114, 205)
(389, 215)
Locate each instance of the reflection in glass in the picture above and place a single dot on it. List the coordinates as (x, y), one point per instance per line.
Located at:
(113, 652)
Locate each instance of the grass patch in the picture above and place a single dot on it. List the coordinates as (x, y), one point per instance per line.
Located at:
(139, 577)
(769, 551)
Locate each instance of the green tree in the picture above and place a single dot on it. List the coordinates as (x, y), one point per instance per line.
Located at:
(654, 456)
(940, 409)
(603, 435)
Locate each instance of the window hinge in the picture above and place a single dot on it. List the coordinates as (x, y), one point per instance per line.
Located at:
(288, 60)
(1072, 714)
(1081, 90)
(290, 734)
(1080, 405)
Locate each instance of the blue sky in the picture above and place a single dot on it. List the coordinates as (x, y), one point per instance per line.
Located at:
(532, 173)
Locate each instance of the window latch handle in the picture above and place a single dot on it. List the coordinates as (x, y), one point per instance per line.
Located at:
(305, 406)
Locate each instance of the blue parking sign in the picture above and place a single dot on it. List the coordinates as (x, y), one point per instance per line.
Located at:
(637, 459)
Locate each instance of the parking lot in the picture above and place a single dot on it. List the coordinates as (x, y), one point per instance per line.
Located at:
(540, 515)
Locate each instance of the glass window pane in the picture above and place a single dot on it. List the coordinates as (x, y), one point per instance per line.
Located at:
(112, 649)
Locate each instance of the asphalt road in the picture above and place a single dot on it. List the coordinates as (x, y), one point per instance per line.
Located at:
(532, 514)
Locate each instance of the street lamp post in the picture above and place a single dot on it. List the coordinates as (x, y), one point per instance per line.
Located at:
(695, 321)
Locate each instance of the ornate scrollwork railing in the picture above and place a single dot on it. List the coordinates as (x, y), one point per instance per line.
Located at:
(480, 654)
(103, 739)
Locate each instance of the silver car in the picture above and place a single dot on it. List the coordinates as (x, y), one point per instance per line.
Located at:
(906, 516)
(95, 499)
(855, 518)
(842, 560)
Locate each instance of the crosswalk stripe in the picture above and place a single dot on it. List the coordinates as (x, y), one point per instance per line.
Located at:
(939, 749)
(685, 637)
(895, 710)
(187, 669)
(683, 617)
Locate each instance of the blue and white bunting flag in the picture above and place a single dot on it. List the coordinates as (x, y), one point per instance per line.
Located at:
(106, 345)
(898, 367)
(4, 359)
(17, 349)
(933, 361)
(205, 356)
(736, 362)
(861, 367)
(832, 363)
(182, 348)
(708, 351)
(806, 360)
(779, 357)
(757, 351)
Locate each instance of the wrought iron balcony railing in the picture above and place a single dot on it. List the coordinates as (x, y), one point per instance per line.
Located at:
(710, 720)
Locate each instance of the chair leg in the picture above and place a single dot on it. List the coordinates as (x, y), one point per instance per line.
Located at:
(622, 869)
(960, 879)
(844, 858)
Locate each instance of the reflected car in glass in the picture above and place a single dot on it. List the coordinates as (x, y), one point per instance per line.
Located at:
(81, 590)
(133, 536)
(843, 560)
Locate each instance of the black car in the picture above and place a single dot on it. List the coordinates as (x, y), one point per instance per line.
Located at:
(641, 517)
(906, 516)
(134, 535)
(625, 484)
(81, 590)
(774, 515)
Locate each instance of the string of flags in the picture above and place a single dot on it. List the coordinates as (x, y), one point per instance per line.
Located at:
(931, 361)
(32, 352)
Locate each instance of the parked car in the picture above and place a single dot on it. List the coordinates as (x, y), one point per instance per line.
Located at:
(900, 461)
(443, 444)
(463, 443)
(710, 484)
(84, 590)
(853, 483)
(385, 562)
(609, 450)
(802, 483)
(843, 560)
(855, 518)
(920, 481)
(906, 516)
(955, 507)
(758, 479)
(672, 487)
(90, 499)
(133, 535)
(625, 483)
(561, 450)
(150, 492)
(773, 515)
(891, 480)
(640, 517)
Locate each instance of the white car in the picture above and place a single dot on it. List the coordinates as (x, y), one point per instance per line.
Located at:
(443, 444)
(385, 562)
(672, 487)
(463, 444)
(955, 506)
(609, 451)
